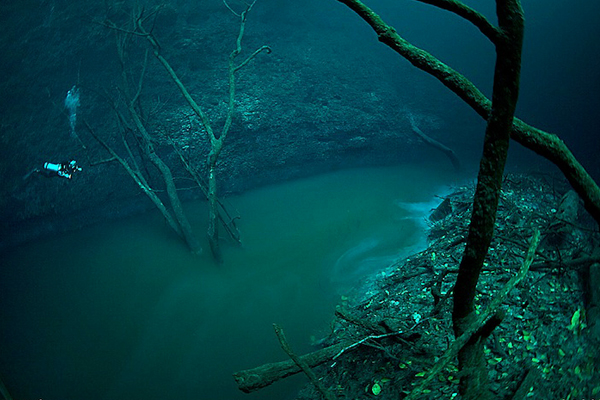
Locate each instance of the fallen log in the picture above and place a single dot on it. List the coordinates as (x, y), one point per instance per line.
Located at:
(250, 380)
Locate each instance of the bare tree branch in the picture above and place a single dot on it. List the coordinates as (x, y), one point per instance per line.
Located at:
(546, 144)
(301, 363)
(434, 143)
(471, 15)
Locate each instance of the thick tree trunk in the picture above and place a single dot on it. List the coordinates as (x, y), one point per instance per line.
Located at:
(474, 381)
(546, 144)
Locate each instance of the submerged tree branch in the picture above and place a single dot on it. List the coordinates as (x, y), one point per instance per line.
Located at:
(301, 363)
(251, 380)
(140, 181)
(546, 144)
(215, 141)
(471, 15)
(434, 143)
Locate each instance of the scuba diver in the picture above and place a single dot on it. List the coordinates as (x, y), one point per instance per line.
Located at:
(64, 170)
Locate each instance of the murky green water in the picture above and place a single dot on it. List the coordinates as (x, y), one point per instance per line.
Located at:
(122, 311)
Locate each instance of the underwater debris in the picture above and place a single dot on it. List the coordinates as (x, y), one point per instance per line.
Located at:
(535, 342)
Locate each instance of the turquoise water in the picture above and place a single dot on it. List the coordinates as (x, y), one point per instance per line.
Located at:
(123, 311)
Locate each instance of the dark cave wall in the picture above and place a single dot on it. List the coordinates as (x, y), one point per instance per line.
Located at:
(329, 96)
(310, 106)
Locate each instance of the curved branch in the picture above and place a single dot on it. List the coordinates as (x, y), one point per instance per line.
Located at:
(471, 15)
(423, 60)
(546, 144)
(434, 143)
(251, 56)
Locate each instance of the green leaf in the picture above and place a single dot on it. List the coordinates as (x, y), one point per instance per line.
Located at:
(547, 369)
(376, 389)
(575, 320)
(495, 360)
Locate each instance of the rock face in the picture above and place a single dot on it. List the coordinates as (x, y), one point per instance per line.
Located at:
(327, 97)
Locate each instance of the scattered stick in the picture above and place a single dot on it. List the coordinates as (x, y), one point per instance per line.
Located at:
(574, 264)
(301, 364)
(363, 340)
(366, 325)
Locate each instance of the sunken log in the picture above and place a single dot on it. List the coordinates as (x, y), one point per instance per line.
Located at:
(250, 380)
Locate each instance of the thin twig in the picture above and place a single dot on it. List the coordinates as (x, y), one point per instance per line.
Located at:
(231, 9)
(301, 364)
(363, 340)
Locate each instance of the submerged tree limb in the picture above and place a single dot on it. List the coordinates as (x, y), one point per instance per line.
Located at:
(229, 223)
(301, 364)
(471, 362)
(546, 144)
(471, 15)
(250, 380)
(140, 181)
(434, 143)
(257, 378)
(176, 206)
(216, 141)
